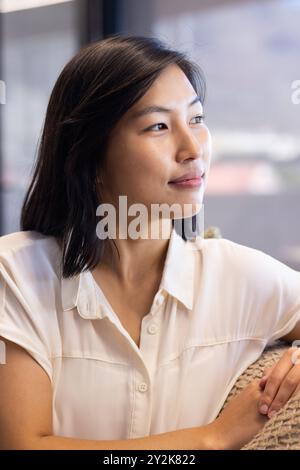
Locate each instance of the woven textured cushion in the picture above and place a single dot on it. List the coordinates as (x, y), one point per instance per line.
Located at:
(281, 432)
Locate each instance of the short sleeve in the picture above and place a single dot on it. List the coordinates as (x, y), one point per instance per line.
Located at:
(288, 313)
(21, 325)
(280, 285)
(264, 293)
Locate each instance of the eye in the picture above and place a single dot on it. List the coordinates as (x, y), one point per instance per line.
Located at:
(152, 127)
(200, 117)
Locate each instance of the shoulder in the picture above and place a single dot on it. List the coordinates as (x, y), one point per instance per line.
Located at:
(26, 241)
(237, 255)
(230, 249)
(250, 265)
(29, 251)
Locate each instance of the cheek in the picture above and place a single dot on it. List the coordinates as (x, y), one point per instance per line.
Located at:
(137, 163)
(146, 162)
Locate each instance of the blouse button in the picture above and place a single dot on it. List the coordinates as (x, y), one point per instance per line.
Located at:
(160, 299)
(143, 387)
(152, 329)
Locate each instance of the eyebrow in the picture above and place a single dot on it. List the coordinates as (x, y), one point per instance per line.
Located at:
(159, 109)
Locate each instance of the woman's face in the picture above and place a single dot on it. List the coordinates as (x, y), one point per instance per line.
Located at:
(147, 150)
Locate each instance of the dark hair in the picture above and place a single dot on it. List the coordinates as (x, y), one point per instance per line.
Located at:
(94, 90)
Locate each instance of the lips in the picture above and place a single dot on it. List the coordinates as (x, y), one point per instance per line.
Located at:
(191, 175)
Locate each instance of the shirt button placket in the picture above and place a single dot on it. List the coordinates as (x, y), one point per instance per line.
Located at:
(149, 350)
(151, 341)
(142, 409)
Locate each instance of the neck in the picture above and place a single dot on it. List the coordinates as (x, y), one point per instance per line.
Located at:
(137, 258)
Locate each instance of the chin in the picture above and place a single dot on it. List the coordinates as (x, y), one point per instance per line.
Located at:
(188, 209)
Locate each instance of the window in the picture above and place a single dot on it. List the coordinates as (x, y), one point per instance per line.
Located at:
(36, 44)
(249, 52)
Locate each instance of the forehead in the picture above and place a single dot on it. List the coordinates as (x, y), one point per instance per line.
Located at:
(171, 90)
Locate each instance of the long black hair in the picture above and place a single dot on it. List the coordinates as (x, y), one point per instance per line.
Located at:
(93, 91)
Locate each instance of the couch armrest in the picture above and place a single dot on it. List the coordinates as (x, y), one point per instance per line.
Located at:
(283, 430)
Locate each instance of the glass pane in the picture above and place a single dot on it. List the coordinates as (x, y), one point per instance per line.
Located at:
(37, 42)
(249, 52)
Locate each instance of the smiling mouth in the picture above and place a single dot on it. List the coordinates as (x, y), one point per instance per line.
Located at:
(191, 175)
(188, 178)
(188, 182)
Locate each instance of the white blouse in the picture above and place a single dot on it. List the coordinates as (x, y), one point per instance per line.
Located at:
(218, 305)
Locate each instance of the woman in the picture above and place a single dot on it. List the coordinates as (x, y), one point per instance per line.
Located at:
(131, 342)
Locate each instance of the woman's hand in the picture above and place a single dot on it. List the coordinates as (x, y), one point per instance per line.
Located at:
(280, 382)
(240, 420)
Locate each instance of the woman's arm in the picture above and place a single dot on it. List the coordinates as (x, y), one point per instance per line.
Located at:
(26, 416)
(185, 439)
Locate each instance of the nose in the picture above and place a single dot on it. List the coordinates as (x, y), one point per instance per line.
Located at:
(190, 145)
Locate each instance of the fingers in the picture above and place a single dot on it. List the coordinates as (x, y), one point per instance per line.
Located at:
(265, 376)
(286, 390)
(279, 384)
(297, 392)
